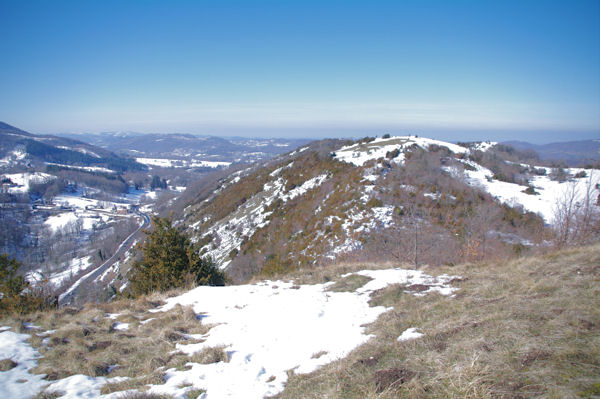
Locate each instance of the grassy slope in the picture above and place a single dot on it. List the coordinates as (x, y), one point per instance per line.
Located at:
(529, 328)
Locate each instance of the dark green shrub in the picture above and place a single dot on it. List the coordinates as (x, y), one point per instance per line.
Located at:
(16, 294)
(169, 261)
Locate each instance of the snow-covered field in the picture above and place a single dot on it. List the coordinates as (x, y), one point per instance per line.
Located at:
(22, 181)
(58, 278)
(86, 168)
(181, 163)
(550, 192)
(266, 328)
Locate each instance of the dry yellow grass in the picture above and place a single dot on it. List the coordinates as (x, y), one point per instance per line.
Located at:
(528, 328)
(85, 341)
(520, 329)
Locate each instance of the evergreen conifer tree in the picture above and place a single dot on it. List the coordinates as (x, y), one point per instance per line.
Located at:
(169, 260)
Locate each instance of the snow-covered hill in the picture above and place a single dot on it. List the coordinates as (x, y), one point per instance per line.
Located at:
(335, 200)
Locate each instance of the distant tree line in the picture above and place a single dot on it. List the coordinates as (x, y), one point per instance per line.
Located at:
(157, 182)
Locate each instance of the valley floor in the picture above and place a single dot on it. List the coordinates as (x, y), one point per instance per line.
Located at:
(519, 329)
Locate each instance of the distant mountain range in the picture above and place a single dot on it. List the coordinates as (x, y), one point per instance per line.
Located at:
(18, 147)
(573, 152)
(185, 146)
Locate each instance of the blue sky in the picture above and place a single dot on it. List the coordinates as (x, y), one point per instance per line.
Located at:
(458, 70)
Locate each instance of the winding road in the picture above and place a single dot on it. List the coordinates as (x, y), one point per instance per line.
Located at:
(66, 297)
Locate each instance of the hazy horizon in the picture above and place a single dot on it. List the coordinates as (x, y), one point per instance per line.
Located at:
(449, 70)
(466, 136)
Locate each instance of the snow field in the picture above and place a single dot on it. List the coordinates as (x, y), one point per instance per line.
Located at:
(24, 180)
(550, 192)
(266, 328)
(272, 327)
(181, 163)
(14, 346)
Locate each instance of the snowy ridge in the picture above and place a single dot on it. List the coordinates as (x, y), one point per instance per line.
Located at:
(484, 145)
(79, 149)
(549, 191)
(360, 153)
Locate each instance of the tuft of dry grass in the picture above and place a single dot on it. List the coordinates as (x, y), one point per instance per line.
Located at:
(210, 355)
(48, 395)
(7, 364)
(527, 328)
(143, 395)
(85, 341)
(349, 283)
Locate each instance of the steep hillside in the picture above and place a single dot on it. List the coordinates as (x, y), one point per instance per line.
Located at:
(65, 206)
(394, 198)
(19, 148)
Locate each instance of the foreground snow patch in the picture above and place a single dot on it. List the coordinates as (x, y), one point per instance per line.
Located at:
(272, 327)
(410, 333)
(18, 382)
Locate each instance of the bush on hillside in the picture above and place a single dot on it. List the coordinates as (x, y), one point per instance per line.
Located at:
(170, 261)
(16, 294)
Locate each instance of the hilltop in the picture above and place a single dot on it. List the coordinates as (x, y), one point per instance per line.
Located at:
(407, 199)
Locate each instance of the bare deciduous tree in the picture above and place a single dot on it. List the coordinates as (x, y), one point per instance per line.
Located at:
(577, 214)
